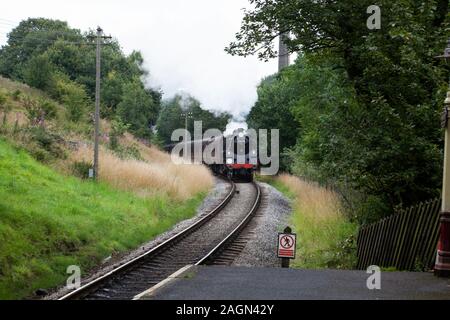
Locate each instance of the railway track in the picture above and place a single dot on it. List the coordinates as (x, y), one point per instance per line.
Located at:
(201, 243)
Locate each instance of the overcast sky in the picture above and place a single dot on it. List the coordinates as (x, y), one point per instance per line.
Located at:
(182, 42)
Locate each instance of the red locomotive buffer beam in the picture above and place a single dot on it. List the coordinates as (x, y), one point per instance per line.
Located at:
(241, 166)
(442, 266)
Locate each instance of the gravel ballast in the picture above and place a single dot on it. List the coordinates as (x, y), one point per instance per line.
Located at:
(260, 251)
(216, 195)
(273, 216)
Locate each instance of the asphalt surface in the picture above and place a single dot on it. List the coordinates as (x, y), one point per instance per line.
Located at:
(236, 283)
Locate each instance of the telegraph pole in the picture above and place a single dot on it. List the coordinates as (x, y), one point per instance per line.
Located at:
(99, 41)
(187, 115)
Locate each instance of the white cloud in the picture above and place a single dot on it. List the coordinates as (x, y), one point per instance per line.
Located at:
(182, 42)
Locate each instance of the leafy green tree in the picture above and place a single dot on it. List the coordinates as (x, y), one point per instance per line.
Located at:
(111, 93)
(118, 129)
(32, 38)
(72, 59)
(49, 55)
(276, 94)
(368, 101)
(171, 117)
(73, 96)
(138, 109)
(38, 72)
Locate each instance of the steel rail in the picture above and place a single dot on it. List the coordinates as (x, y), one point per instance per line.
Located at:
(91, 286)
(214, 253)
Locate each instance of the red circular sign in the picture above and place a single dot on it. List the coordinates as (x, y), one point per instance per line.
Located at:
(286, 242)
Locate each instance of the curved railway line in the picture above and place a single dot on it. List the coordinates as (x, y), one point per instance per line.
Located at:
(204, 242)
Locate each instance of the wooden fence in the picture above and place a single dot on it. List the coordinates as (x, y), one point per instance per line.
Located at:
(406, 240)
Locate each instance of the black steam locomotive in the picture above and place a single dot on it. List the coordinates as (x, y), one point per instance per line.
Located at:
(238, 160)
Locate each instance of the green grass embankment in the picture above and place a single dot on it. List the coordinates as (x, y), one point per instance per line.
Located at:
(325, 235)
(49, 221)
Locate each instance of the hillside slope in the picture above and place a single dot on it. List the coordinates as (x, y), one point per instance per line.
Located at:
(52, 216)
(49, 221)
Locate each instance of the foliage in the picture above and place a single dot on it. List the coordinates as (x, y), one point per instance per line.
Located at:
(16, 94)
(276, 94)
(366, 102)
(47, 146)
(32, 38)
(118, 128)
(49, 55)
(325, 237)
(128, 152)
(48, 222)
(49, 108)
(37, 111)
(38, 72)
(81, 169)
(73, 96)
(171, 117)
(138, 109)
(5, 107)
(2, 99)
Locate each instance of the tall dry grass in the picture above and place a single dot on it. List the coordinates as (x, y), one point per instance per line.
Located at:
(155, 175)
(323, 230)
(313, 200)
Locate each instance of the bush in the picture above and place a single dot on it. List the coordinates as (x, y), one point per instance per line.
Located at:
(38, 72)
(34, 112)
(4, 106)
(48, 142)
(81, 169)
(118, 128)
(2, 99)
(39, 111)
(73, 96)
(16, 95)
(39, 154)
(42, 137)
(48, 107)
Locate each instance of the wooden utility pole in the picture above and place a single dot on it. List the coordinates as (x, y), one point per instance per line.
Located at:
(186, 115)
(99, 39)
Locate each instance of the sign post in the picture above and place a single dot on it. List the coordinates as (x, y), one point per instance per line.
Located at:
(286, 246)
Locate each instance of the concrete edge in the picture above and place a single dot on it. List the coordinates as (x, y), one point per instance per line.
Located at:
(176, 275)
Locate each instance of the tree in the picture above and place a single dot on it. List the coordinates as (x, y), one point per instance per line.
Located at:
(38, 72)
(118, 129)
(112, 92)
(138, 109)
(276, 94)
(368, 102)
(32, 38)
(73, 96)
(171, 117)
(49, 55)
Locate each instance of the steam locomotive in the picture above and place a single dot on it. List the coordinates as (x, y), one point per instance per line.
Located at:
(238, 161)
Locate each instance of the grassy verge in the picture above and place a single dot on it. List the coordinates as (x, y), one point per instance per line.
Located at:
(325, 237)
(49, 221)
